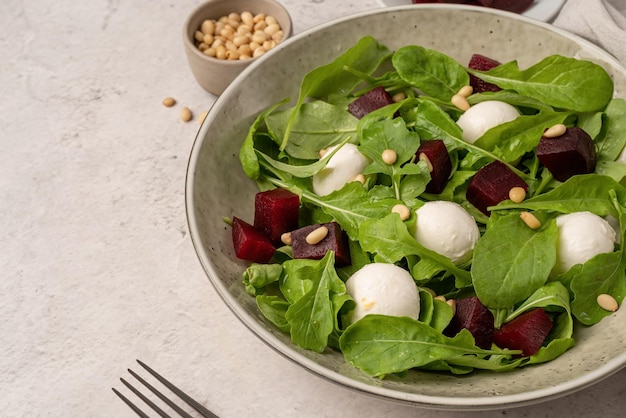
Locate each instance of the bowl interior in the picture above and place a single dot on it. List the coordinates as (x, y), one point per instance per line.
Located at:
(217, 187)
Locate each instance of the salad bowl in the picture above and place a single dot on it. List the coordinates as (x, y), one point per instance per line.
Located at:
(217, 188)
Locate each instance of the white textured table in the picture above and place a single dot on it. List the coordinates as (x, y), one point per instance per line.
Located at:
(97, 265)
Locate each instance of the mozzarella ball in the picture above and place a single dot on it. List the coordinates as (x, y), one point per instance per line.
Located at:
(483, 116)
(447, 228)
(582, 235)
(384, 289)
(342, 168)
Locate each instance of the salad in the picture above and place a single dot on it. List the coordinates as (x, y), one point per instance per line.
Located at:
(520, 275)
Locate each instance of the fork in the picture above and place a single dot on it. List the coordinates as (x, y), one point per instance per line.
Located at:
(182, 395)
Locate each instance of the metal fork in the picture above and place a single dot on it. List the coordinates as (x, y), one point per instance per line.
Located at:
(182, 395)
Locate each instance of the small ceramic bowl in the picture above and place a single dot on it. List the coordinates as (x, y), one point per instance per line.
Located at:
(214, 74)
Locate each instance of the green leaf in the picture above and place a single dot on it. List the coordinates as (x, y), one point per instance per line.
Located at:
(562, 82)
(511, 261)
(274, 309)
(432, 72)
(612, 143)
(257, 276)
(380, 345)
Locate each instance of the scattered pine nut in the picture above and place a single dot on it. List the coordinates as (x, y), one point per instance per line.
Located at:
(517, 194)
(452, 303)
(169, 102)
(185, 114)
(429, 290)
(555, 131)
(202, 117)
(607, 302)
(424, 157)
(460, 102)
(441, 298)
(402, 210)
(466, 91)
(398, 97)
(285, 238)
(530, 220)
(389, 156)
(360, 178)
(317, 235)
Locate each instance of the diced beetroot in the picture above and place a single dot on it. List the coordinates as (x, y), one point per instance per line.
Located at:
(437, 156)
(276, 211)
(491, 185)
(569, 154)
(475, 317)
(370, 101)
(515, 6)
(336, 240)
(482, 63)
(527, 332)
(250, 243)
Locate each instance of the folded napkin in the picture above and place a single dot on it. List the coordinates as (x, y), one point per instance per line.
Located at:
(602, 22)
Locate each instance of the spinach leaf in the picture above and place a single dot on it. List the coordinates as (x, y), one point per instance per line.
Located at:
(432, 72)
(317, 125)
(611, 144)
(562, 82)
(380, 345)
(511, 261)
(365, 56)
(257, 276)
(274, 309)
(312, 318)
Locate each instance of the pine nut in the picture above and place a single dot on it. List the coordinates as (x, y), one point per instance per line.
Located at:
(398, 97)
(440, 297)
(452, 304)
(424, 157)
(402, 210)
(555, 131)
(360, 178)
(198, 36)
(208, 27)
(530, 220)
(607, 302)
(185, 114)
(430, 291)
(460, 102)
(466, 91)
(202, 117)
(389, 156)
(317, 235)
(169, 102)
(517, 194)
(258, 52)
(247, 18)
(285, 238)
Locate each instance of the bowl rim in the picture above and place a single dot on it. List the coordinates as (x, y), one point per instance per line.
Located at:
(191, 47)
(487, 402)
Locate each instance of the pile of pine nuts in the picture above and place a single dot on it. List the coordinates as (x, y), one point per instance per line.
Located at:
(238, 36)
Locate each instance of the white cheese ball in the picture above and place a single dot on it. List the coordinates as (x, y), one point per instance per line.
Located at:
(582, 235)
(384, 289)
(342, 168)
(447, 228)
(483, 116)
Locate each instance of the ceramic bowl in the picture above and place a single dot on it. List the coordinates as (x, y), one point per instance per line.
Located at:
(214, 74)
(217, 187)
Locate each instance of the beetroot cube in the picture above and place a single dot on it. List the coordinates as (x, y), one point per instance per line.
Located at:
(336, 240)
(491, 185)
(436, 155)
(250, 243)
(276, 211)
(370, 101)
(515, 6)
(482, 63)
(527, 332)
(475, 317)
(569, 154)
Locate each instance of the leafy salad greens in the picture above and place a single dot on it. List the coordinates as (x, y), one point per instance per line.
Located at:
(511, 267)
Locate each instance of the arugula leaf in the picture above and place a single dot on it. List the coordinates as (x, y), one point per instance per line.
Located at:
(511, 261)
(312, 318)
(257, 276)
(274, 309)
(562, 82)
(612, 143)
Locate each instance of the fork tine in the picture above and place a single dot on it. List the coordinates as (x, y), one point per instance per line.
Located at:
(130, 404)
(148, 402)
(188, 399)
(164, 398)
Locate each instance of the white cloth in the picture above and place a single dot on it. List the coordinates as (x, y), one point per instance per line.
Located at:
(602, 22)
